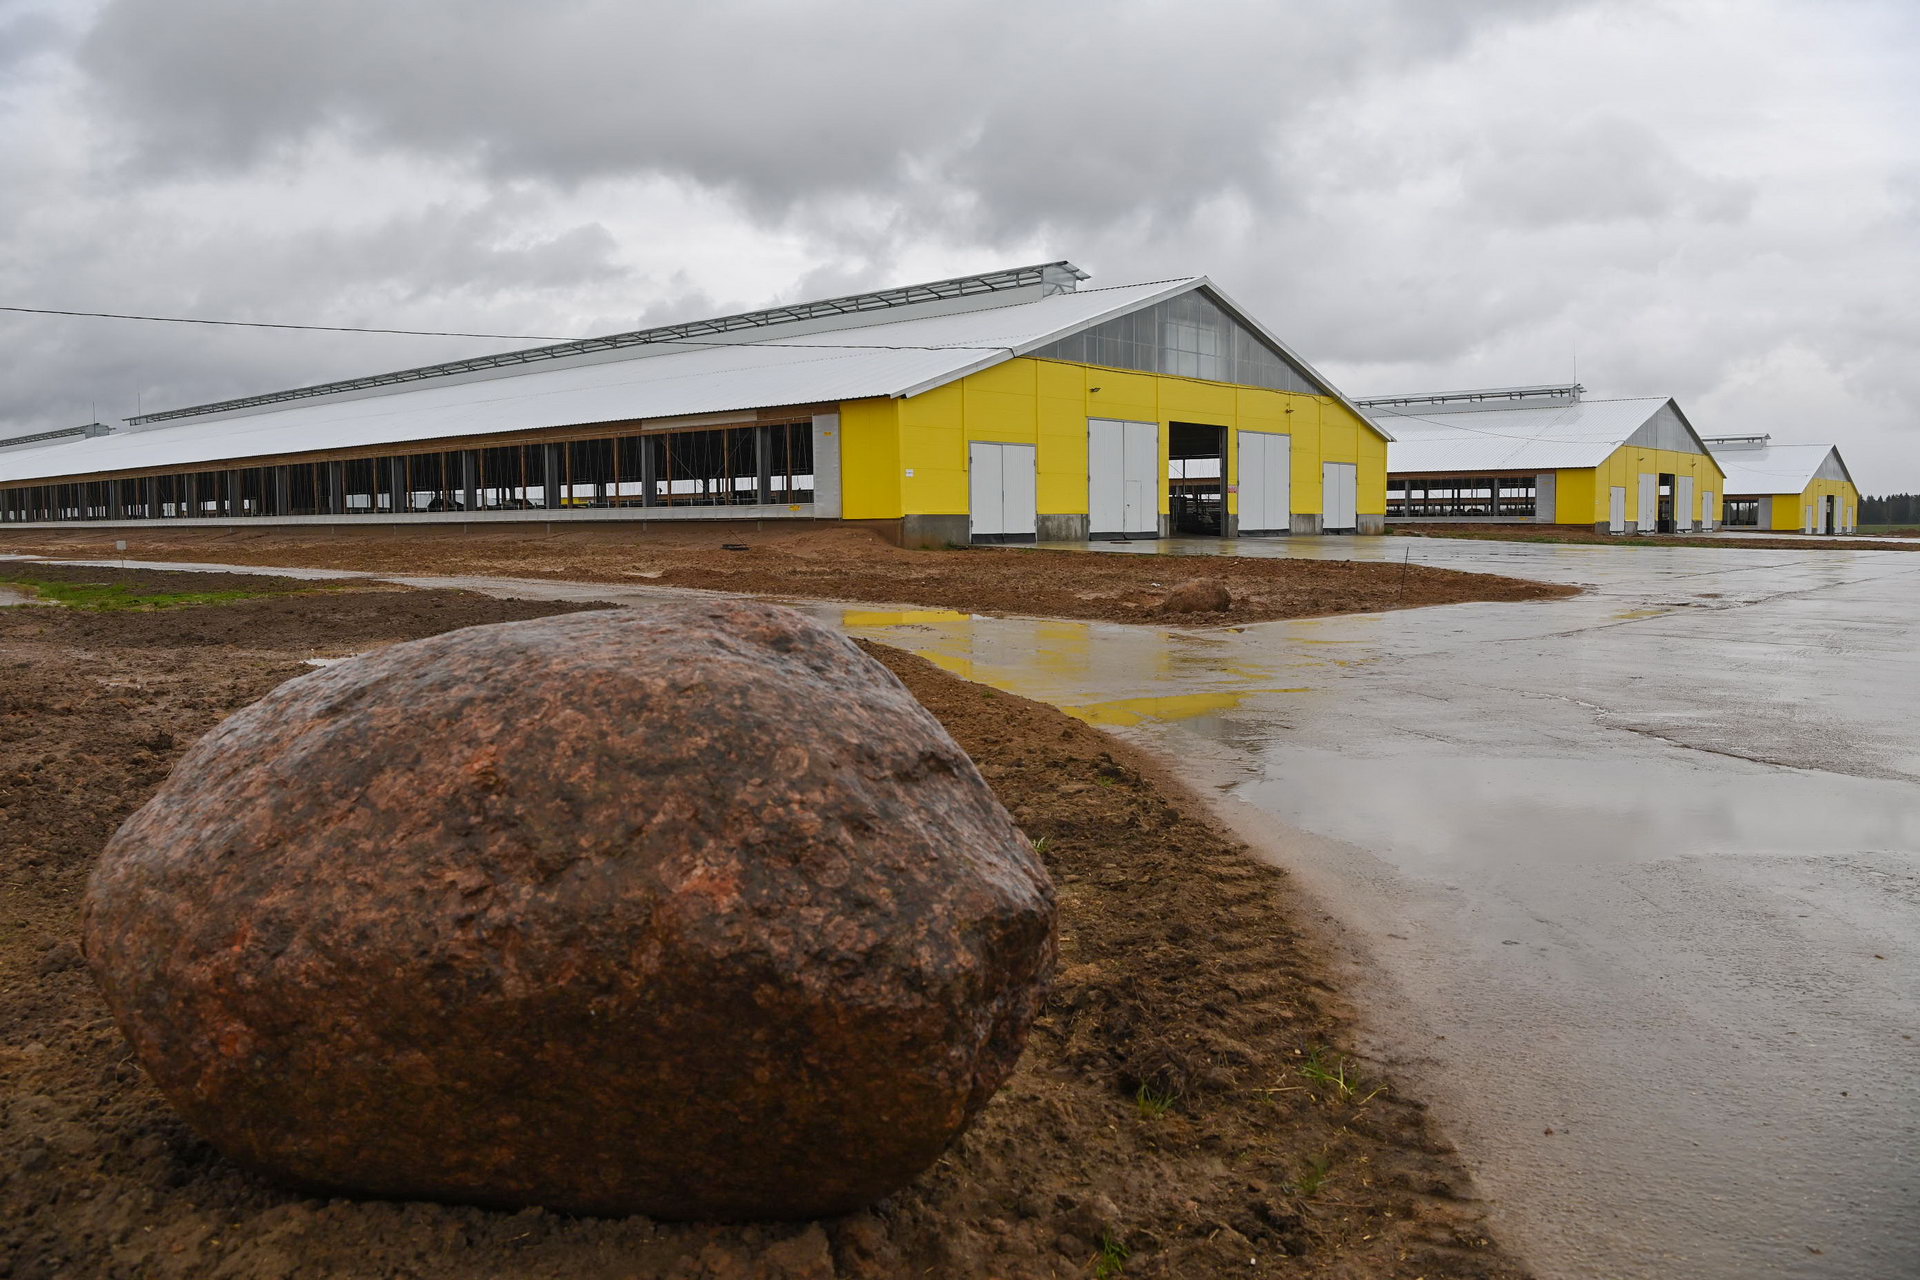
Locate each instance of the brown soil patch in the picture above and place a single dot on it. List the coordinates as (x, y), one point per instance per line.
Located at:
(838, 563)
(1556, 533)
(1161, 1107)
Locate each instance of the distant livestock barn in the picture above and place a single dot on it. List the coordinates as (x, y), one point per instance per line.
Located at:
(1547, 455)
(1786, 486)
(1005, 407)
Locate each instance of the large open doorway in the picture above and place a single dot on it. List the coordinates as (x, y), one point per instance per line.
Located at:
(1196, 479)
(1664, 520)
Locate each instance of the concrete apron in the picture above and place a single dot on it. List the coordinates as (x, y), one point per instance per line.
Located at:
(1636, 868)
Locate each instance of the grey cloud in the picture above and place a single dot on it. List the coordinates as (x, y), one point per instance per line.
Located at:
(1009, 112)
(1596, 168)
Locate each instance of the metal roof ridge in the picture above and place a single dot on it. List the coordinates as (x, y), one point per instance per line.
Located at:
(875, 301)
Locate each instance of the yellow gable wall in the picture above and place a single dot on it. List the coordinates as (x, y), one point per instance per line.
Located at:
(1584, 496)
(1046, 403)
(1790, 509)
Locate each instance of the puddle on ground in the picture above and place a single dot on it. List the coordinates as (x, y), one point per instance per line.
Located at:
(901, 617)
(14, 595)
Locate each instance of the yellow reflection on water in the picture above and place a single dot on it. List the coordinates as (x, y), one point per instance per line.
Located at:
(1185, 706)
(901, 617)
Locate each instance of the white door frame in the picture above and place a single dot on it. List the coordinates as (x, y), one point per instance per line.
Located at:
(1002, 479)
(1125, 477)
(1265, 481)
(1339, 496)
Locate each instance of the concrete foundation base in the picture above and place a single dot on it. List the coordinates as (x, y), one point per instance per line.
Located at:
(934, 532)
(1306, 525)
(1064, 527)
(1371, 524)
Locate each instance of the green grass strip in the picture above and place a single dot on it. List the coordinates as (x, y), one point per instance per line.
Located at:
(103, 595)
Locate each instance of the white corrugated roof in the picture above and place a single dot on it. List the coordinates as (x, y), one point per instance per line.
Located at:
(1779, 468)
(1582, 434)
(902, 357)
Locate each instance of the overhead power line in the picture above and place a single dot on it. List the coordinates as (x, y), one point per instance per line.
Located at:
(263, 324)
(508, 337)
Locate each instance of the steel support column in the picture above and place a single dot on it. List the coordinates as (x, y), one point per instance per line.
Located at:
(649, 473)
(550, 477)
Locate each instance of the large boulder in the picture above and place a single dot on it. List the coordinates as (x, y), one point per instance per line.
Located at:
(689, 910)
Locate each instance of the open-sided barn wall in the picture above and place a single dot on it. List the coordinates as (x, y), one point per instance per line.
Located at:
(601, 471)
(909, 457)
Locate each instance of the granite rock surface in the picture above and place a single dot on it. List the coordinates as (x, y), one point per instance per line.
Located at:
(688, 910)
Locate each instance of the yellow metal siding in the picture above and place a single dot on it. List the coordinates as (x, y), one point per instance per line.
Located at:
(1583, 495)
(1577, 499)
(1790, 509)
(1046, 403)
(870, 460)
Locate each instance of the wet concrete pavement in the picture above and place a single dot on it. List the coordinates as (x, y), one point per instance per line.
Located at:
(1627, 884)
(1630, 881)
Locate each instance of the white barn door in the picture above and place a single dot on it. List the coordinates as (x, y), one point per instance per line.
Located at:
(1649, 517)
(1684, 512)
(1123, 478)
(1617, 510)
(1266, 482)
(1340, 496)
(1709, 515)
(1000, 492)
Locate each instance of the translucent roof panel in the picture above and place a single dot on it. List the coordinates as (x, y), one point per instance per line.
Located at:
(1189, 335)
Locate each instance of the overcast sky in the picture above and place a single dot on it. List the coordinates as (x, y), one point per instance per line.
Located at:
(1717, 200)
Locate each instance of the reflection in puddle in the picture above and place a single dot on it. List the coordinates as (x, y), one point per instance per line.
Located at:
(856, 618)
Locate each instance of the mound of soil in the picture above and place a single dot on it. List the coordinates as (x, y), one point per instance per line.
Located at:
(1572, 535)
(835, 563)
(1183, 1108)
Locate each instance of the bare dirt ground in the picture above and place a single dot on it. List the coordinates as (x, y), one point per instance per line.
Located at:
(1557, 533)
(826, 564)
(1183, 1109)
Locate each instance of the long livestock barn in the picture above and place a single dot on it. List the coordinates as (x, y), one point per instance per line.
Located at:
(1546, 455)
(1786, 486)
(1004, 407)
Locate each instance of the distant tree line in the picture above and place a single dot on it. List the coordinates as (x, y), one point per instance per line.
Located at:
(1893, 508)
